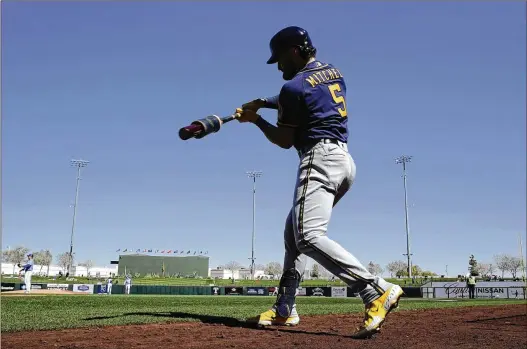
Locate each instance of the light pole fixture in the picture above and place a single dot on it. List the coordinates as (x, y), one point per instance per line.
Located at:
(404, 159)
(78, 164)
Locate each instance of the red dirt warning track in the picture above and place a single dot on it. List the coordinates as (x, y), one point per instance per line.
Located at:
(472, 327)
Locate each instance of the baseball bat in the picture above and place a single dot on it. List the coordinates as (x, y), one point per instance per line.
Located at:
(203, 127)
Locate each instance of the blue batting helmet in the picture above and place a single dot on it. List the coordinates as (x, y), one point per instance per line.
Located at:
(290, 37)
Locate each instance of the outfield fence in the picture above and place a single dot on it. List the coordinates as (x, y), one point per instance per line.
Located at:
(484, 289)
(447, 290)
(312, 291)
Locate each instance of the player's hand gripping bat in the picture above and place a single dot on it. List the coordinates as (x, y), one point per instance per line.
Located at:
(203, 127)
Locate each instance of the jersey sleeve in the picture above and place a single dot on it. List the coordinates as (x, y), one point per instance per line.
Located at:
(289, 104)
(271, 102)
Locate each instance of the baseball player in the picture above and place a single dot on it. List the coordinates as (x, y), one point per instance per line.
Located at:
(109, 285)
(313, 118)
(28, 272)
(127, 284)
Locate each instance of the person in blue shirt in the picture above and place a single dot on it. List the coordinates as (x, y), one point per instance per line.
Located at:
(313, 118)
(28, 272)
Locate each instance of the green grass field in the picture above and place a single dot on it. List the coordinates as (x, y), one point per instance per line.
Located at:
(20, 313)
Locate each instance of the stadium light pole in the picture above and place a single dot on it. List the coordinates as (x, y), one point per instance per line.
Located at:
(253, 175)
(522, 266)
(79, 164)
(404, 159)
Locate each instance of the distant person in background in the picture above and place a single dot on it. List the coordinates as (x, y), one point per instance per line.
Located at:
(109, 285)
(28, 271)
(127, 284)
(471, 284)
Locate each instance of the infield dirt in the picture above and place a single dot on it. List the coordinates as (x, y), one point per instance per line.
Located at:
(467, 327)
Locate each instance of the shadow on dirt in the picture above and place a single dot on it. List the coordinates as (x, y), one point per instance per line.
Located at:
(218, 320)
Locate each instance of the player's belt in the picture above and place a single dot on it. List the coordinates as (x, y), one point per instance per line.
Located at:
(303, 150)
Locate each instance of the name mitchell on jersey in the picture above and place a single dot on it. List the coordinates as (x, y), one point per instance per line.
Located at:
(323, 76)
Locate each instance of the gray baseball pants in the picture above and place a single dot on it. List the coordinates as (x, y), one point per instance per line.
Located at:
(325, 174)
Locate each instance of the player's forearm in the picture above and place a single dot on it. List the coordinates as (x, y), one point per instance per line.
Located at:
(276, 135)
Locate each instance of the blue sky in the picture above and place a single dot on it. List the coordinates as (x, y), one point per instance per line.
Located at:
(112, 82)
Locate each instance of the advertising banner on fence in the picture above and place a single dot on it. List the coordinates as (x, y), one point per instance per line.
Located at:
(34, 286)
(101, 289)
(83, 288)
(339, 291)
(62, 287)
(301, 291)
(319, 291)
(257, 291)
(462, 292)
(479, 284)
(8, 286)
(272, 291)
(484, 289)
(234, 291)
(215, 291)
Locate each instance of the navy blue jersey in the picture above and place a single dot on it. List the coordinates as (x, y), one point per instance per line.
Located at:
(314, 102)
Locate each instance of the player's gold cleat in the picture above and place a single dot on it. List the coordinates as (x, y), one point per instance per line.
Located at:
(271, 318)
(377, 311)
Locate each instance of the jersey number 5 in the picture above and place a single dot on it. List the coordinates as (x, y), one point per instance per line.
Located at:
(338, 99)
